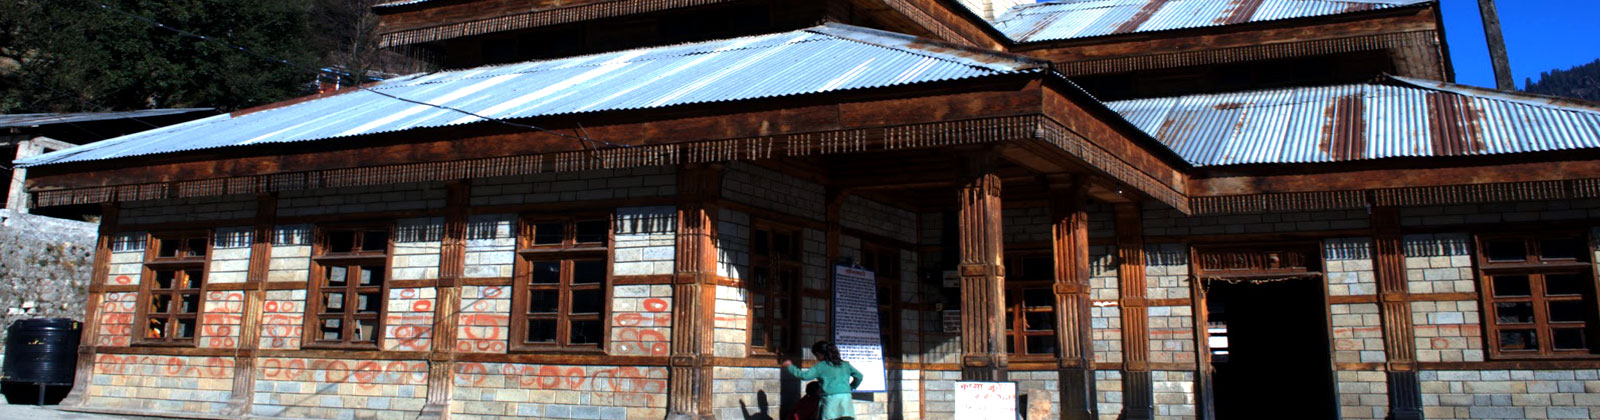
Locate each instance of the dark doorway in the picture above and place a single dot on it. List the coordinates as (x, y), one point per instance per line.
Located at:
(1275, 362)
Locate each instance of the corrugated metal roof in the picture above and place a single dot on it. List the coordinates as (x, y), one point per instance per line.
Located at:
(34, 120)
(1403, 118)
(826, 58)
(1069, 19)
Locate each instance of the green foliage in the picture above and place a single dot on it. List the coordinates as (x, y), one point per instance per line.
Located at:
(74, 55)
(1581, 82)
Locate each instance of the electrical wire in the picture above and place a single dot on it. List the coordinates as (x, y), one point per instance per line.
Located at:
(584, 142)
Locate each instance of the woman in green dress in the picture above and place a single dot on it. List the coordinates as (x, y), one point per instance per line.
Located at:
(838, 379)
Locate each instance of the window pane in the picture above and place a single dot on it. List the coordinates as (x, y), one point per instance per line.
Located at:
(1514, 312)
(192, 278)
(185, 329)
(546, 272)
(758, 335)
(1041, 344)
(197, 247)
(375, 241)
(332, 329)
(549, 233)
(1570, 339)
(333, 302)
(1566, 284)
(588, 272)
(780, 338)
(1561, 248)
(541, 331)
(341, 241)
(366, 330)
(1041, 321)
(164, 279)
(760, 244)
(371, 276)
(1506, 250)
(785, 281)
(1511, 286)
(1011, 345)
(587, 301)
(160, 304)
(169, 247)
(782, 245)
(336, 276)
(1038, 298)
(758, 279)
(543, 301)
(191, 304)
(584, 332)
(1568, 311)
(1518, 340)
(157, 328)
(592, 232)
(369, 302)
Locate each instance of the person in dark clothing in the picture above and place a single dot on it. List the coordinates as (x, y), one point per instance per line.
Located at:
(808, 407)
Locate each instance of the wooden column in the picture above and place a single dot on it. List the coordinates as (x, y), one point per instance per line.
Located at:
(447, 302)
(79, 396)
(1497, 46)
(1137, 393)
(983, 351)
(244, 366)
(1070, 243)
(1405, 390)
(694, 292)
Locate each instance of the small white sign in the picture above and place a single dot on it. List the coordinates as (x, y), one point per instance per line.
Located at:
(986, 400)
(952, 279)
(952, 321)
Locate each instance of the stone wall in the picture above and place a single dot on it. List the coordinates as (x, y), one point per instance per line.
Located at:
(1510, 394)
(45, 264)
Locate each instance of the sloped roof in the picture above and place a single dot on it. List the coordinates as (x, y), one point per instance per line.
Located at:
(34, 120)
(1070, 19)
(826, 58)
(1400, 118)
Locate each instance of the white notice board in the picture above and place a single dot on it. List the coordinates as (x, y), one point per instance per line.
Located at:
(986, 400)
(855, 325)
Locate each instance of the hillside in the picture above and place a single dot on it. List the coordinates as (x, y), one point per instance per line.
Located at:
(1581, 82)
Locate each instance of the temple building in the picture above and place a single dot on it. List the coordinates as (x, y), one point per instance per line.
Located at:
(634, 209)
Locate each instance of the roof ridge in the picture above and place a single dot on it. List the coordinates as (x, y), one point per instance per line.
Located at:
(1526, 98)
(870, 36)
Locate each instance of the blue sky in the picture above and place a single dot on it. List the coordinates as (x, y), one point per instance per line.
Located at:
(1541, 35)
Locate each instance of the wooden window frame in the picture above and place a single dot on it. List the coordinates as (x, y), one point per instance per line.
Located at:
(1536, 268)
(888, 285)
(773, 266)
(324, 259)
(181, 263)
(1016, 312)
(567, 253)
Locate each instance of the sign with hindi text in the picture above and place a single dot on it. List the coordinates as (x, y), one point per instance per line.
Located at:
(855, 325)
(986, 400)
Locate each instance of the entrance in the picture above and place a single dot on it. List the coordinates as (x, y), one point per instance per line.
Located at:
(1270, 349)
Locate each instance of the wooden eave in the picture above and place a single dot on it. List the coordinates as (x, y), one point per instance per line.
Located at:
(945, 20)
(428, 23)
(1234, 40)
(1026, 114)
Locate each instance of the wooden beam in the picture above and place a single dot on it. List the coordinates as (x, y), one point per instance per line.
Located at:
(983, 351)
(1497, 46)
(79, 395)
(447, 301)
(1405, 389)
(694, 292)
(1070, 244)
(244, 366)
(1137, 392)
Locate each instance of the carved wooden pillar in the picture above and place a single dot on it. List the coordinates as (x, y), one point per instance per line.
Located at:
(1070, 243)
(244, 366)
(447, 302)
(694, 292)
(1405, 390)
(983, 349)
(1137, 393)
(90, 336)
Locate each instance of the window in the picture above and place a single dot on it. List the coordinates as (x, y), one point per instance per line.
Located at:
(561, 280)
(885, 265)
(1030, 305)
(1538, 295)
(175, 278)
(348, 288)
(773, 283)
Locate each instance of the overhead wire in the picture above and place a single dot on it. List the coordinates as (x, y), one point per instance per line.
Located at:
(585, 142)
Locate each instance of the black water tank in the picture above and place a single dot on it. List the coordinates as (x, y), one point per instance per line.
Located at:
(42, 351)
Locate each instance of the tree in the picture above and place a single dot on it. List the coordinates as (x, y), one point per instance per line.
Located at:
(83, 55)
(346, 32)
(1581, 82)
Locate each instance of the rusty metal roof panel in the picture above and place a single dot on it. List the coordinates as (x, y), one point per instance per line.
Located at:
(1399, 118)
(1072, 19)
(34, 120)
(826, 58)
